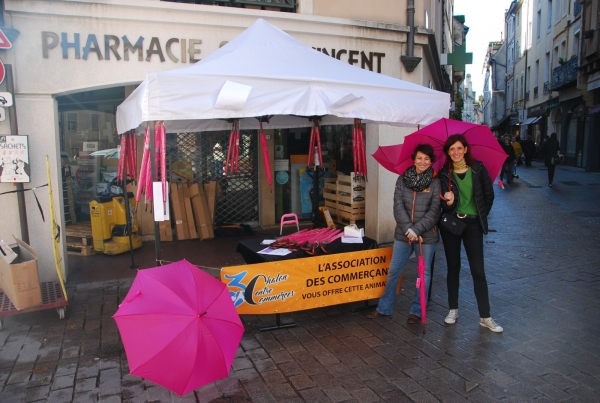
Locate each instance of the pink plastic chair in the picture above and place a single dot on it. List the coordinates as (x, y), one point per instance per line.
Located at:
(290, 218)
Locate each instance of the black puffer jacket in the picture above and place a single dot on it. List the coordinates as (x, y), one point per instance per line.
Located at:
(482, 189)
(417, 210)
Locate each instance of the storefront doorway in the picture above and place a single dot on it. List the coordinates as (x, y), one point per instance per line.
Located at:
(292, 186)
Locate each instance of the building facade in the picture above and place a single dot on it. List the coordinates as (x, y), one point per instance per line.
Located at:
(74, 62)
(550, 76)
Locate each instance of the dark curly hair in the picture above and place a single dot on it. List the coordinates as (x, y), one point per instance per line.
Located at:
(425, 149)
(450, 142)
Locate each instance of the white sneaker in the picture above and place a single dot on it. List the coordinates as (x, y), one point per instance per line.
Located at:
(490, 324)
(452, 316)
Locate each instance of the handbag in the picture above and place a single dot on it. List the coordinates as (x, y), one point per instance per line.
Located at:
(452, 224)
(449, 222)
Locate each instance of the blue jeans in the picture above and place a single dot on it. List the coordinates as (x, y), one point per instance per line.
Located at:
(400, 255)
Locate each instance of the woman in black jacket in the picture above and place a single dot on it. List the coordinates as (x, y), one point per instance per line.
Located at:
(468, 194)
(416, 211)
(551, 150)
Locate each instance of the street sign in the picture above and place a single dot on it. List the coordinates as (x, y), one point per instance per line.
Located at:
(4, 42)
(2, 115)
(6, 99)
(2, 72)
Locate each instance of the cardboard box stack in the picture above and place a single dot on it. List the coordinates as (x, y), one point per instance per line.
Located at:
(192, 211)
(19, 277)
(204, 223)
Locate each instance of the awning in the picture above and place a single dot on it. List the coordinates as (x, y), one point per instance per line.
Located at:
(531, 121)
(594, 109)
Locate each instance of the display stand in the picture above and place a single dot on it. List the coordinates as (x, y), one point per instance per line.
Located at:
(278, 324)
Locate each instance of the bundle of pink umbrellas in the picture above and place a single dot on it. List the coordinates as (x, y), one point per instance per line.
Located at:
(309, 240)
(233, 150)
(315, 145)
(160, 168)
(127, 168)
(358, 149)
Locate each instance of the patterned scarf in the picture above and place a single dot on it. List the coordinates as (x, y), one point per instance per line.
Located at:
(415, 181)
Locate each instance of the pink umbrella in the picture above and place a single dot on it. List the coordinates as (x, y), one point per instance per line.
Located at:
(484, 146)
(265, 151)
(389, 157)
(143, 169)
(179, 327)
(421, 285)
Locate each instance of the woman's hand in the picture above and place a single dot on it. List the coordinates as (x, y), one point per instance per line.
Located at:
(449, 197)
(411, 237)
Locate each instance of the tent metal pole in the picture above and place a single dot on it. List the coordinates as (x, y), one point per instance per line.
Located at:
(152, 169)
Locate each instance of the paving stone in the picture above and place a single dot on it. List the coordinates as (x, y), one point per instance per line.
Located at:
(63, 382)
(61, 396)
(84, 385)
(337, 394)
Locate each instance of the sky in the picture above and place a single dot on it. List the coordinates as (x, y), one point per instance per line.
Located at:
(485, 19)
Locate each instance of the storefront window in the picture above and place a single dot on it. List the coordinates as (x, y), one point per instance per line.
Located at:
(89, 143)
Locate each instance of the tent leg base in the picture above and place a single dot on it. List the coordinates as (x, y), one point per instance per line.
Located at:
(278, 324)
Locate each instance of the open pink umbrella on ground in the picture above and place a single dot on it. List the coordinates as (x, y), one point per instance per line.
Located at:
(179, 327)
(421, 285)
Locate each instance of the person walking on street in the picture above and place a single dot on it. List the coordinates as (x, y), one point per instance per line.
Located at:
(469, 198)
(416, 211)
(528, 149)
(516, 144)
(551, 151)
(509, 164)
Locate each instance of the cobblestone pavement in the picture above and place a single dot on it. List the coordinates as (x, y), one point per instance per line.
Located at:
(542, 261)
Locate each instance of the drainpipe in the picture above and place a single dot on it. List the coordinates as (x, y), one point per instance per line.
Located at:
(410, 61)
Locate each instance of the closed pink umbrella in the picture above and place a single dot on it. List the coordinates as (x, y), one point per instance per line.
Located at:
(179, 327)
(265, 151)
(144, 167)
(421, 285)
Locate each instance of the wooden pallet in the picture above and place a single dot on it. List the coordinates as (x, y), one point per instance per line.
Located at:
(79, 239)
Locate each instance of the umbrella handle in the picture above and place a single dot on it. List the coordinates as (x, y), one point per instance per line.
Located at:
(420, 247)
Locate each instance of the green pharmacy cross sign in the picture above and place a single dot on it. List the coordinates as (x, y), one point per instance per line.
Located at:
(460, 58)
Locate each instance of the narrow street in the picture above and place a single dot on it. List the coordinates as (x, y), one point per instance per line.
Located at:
(542, 261)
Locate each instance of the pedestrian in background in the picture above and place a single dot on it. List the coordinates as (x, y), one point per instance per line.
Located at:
(516, 144)
(470, 199)
(508, 167)
(416, 211)
(551, 151)
(528, 150)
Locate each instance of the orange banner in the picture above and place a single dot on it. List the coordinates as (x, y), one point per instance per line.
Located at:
(307, 283)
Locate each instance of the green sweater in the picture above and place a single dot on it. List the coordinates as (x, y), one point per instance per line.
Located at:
(466, 204)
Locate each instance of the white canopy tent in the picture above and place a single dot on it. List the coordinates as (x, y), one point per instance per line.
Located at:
(266, 72)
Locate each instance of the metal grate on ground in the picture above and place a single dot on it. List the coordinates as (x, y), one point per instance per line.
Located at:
(201, 157)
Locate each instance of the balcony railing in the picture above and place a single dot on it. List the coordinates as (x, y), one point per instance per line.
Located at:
(535, 92)
(546, 87)
(287, 5)
(565, 74)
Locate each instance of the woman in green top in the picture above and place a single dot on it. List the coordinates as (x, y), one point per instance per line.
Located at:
(468, 194)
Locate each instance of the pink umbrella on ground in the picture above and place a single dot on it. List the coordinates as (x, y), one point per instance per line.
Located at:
(179, 327)
(421, 285)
